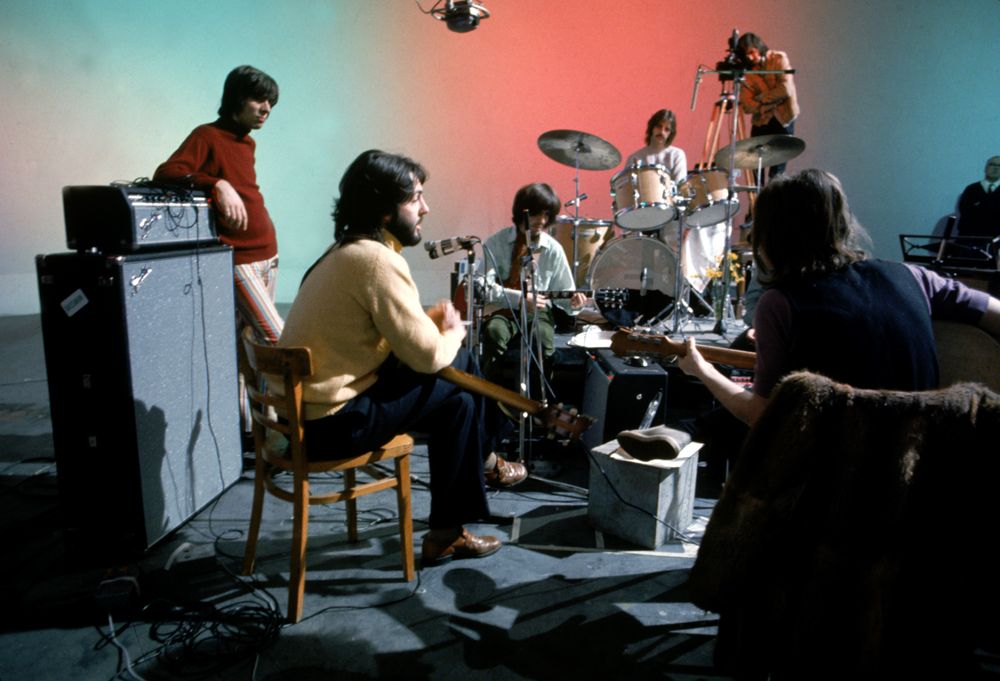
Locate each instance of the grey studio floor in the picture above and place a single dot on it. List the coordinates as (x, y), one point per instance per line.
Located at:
(557, 602)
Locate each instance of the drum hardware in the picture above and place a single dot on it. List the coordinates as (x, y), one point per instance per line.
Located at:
(578, 150)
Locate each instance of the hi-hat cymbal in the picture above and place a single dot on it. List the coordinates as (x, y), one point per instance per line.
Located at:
(769, 150)
(566, 146)
(586, 222)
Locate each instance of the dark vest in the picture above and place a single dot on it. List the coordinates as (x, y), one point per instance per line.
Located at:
(866, 325)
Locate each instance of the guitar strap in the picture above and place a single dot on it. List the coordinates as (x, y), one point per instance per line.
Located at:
(513, 279)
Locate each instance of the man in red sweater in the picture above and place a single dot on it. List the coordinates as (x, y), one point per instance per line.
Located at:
(218, 158)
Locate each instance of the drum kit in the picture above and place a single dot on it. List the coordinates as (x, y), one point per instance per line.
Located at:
(650, 208)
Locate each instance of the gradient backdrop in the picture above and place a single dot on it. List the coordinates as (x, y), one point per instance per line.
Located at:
(899, 99)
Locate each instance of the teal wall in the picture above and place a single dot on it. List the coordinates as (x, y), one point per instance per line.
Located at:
(898, 97)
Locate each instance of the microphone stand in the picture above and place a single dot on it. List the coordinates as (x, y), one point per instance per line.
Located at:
(475, 308)
(528, 269)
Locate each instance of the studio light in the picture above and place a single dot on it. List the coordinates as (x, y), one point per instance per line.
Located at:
(461, 16)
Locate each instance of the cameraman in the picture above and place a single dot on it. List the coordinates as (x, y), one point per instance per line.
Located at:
(768, 98)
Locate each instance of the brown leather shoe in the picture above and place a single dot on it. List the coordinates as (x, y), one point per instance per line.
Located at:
(467, 545)
(506, 474)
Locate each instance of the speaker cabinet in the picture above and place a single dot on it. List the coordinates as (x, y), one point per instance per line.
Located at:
(140, 352)
(618, 395)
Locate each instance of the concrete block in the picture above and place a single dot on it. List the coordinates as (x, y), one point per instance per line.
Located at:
(655, 491)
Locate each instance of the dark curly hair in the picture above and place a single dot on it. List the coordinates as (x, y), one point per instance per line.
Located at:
(373, 187)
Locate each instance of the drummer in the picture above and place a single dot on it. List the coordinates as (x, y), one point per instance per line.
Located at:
(701, 246)
(660, 133)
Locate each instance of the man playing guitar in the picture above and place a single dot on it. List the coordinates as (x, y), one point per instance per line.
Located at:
(505, 252)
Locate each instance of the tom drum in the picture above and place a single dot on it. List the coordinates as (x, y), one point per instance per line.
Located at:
(643, 197)
(708, 193)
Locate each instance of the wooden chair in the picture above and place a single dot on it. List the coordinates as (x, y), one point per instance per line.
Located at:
(294, 364)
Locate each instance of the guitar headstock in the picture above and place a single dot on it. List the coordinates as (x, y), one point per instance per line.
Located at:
(631, 343)
(611, 298)
(563, 425)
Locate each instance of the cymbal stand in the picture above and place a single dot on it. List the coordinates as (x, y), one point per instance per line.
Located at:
(577, 198)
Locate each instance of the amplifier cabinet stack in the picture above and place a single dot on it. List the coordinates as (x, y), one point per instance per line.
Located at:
(141, 361)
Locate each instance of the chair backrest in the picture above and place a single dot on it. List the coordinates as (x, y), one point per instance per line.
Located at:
(291, 365)
(967, 354)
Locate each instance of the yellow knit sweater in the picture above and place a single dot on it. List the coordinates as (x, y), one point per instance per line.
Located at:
(357, 305)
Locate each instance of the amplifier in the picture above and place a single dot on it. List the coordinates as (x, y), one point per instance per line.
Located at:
(618, 395)
(123, 219)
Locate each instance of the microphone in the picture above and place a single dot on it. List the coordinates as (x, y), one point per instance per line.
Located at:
(448, 246)
(576, 201)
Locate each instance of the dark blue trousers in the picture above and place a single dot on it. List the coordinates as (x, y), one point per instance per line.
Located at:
(463, 429)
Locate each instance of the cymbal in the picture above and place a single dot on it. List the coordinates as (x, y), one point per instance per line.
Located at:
(770, 150)
(563, 146)
(586, 222)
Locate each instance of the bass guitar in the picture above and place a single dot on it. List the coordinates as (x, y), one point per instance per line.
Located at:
(558, 423)
(629, 343)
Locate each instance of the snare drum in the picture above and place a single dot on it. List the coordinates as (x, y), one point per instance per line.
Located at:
(622, 264)
(708, 192)
(643, 197)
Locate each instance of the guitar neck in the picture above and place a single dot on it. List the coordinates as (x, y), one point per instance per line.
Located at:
(625, 343)
(481, 386)
(557, 295)
(565, 425)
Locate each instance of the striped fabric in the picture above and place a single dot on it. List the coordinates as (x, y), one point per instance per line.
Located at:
(255, 285)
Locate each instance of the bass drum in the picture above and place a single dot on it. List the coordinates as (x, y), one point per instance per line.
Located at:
(625, 261)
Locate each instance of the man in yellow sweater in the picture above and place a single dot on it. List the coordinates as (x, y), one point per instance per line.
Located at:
(375, 352)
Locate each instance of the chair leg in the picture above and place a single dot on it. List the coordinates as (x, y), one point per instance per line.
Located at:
(405, 515)
(350, 481)
(256, 511)
(300, 533)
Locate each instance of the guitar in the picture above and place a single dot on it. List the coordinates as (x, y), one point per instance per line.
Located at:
(566, 426)
(606, 299)
(628, 343)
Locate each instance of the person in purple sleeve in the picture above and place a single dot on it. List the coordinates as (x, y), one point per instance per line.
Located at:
(832, 310)
(828, 308)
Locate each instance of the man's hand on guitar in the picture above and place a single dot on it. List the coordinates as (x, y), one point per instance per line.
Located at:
(578, 300)
(533, 300)
(692, 362)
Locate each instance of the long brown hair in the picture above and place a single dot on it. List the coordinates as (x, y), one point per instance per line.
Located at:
(803, 225)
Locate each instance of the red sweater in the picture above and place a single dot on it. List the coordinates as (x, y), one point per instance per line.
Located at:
(224, 150)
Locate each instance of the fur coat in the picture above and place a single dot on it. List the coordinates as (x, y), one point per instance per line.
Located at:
(855, 533)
